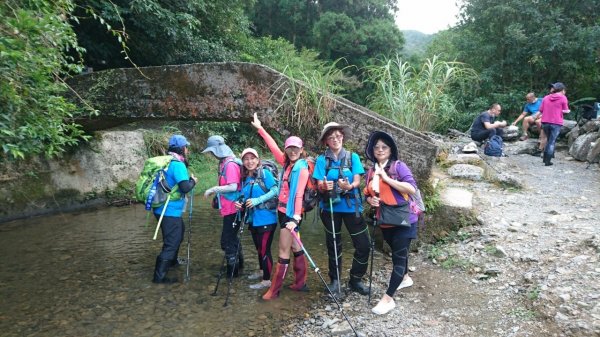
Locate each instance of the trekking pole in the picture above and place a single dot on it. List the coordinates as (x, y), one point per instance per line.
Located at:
(187, 266)
(317, 270)
(375, 188)
(237, 255)
(337, 267)
(161, 216)
(220, 276)
(372, 240)
(223, 264)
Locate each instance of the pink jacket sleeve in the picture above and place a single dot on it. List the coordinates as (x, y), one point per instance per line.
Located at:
(302, 180)
(275, 150)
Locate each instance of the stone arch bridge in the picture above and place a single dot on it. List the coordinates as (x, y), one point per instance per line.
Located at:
(234, 92)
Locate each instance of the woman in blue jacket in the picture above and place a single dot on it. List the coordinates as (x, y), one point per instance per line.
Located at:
(259, 189)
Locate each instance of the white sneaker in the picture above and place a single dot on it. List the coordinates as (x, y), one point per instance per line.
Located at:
(256, 275)
(261, 285)
(383, 308)
(406, 282)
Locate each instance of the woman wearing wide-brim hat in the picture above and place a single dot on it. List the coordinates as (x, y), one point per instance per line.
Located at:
(227, 192)
(390, 182)
(338, 172)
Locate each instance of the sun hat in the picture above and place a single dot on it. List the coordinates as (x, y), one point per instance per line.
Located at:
(334, 126)
(249, 150)
(373, 138)
(178, 141)
(293, 141)
(216, 145)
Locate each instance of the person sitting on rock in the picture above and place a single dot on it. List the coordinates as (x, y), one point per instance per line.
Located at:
(530, 115)
(485, 125)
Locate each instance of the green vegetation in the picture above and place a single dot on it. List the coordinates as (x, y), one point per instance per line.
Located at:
(419, 98)
(523, 313)
(443, 253)
(498, 52)
(35, 39)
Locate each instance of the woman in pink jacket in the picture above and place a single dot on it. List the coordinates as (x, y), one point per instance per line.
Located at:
(552, 109)
(289, 211)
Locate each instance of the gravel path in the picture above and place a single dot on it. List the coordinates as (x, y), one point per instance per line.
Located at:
(531, 268)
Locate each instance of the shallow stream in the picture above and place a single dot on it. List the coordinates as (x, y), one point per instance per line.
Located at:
(88, 274)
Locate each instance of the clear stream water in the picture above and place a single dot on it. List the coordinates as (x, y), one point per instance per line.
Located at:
(88, 274)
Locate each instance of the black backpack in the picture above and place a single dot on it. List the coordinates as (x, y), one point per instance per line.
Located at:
(493, 147)
(266, 164)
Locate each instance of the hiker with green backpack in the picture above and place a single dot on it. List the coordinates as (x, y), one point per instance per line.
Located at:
(176, 182)
(226, 192)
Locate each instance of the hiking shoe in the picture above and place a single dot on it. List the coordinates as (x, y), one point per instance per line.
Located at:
(261, 285)
(536, 153)
(524, 137)
(255, 275)
(383, 308)
(356, 284)
(334, 287)
(406, 282)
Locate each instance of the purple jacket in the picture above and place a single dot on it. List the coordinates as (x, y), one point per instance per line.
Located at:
(552, 108)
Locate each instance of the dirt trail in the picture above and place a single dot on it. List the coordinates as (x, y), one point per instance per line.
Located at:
(531, 268)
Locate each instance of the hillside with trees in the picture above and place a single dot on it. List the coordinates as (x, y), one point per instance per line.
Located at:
(496, 53)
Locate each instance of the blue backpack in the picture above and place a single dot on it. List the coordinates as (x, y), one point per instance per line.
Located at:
(493, 147)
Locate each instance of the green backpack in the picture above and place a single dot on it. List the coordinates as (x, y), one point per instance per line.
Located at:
(151, 187)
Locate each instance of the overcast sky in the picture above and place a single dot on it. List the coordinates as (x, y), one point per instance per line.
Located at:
(426, 16)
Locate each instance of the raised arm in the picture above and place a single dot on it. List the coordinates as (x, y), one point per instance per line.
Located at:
(275, 150)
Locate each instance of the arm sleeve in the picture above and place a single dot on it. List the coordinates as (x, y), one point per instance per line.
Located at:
(186, 185)
(302, 180)
(275, 150)
(273, 189)
(226, 188)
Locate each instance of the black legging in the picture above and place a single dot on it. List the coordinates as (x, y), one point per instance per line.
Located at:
(400, 246)
(262, 241)
(360, 239)
(230, 243)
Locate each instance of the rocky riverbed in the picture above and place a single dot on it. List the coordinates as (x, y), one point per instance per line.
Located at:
(530, 267)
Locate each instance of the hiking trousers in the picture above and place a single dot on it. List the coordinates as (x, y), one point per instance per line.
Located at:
(172, 231)
(360, 240)
(480, 136)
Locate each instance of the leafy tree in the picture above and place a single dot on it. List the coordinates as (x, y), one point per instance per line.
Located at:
(518, 46)
(35, 36)
(161, 31)
(290, 19)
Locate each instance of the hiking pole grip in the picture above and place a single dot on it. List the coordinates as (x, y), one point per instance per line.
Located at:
(162, 214)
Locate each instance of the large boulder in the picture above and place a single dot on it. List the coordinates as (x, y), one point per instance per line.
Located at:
(582, 145)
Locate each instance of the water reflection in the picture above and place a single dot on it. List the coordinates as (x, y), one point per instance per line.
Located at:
(88, 274)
